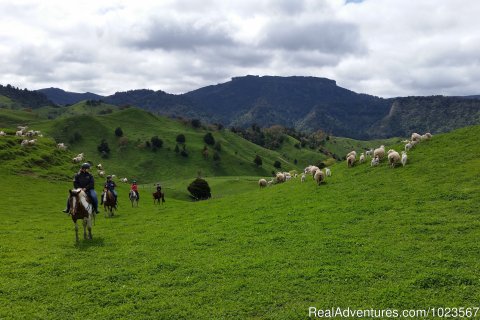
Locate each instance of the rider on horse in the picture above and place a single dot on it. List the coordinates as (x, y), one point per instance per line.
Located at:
(110, 186)
(159, 187)
(134, 187)
(84, 179)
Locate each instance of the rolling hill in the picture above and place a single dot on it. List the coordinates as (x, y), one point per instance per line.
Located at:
(381, 238)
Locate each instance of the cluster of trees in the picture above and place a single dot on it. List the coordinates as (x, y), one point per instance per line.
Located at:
(24, 97)
(273, 137)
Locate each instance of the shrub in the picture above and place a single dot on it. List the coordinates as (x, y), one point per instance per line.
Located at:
(209, 139)
(199, 189)
(217, 146)
(123, 141)
(277, 164)
(156, 142)
(216, 156)
(119, 132)
(181, 138)
(103, 147)
(258, 161)
(196, 123)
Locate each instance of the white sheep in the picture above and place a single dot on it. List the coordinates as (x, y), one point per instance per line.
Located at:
(114, 176)
(408, 146)
(319, 176)
(303, 178)
(19, 133)
(262, 183)
(101, 173)
(32, 142)
(404, 158)
(379, 152)
(280, 177)
(416, 137)
(24, 143)
(61, 146)
(428, 135)
(393, 157)
(362, 158)
(369, 152)
(2, 134)
(328, 173)
(99, 166)
(375, 161)
(76, 159)
(350, 160)
(354, 153)
(125, 180)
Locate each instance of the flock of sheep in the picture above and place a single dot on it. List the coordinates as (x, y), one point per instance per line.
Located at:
(376, 155)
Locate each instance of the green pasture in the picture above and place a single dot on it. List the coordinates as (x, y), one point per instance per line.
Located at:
(367, 238)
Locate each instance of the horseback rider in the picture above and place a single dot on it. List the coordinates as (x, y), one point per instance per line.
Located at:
(84, 180)
(159, 188)
(110, 185)
(134, 187)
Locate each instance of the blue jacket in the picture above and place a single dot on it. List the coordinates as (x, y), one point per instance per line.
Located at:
(110, 185)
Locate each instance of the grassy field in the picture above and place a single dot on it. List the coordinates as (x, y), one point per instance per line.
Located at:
(367, 238)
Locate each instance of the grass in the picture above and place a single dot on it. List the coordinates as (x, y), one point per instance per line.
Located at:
(367, 238)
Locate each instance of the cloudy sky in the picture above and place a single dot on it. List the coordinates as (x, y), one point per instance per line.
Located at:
(381, 47)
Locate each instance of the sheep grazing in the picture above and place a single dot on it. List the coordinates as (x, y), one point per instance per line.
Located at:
(362, 158)
(416, 137)
(393, 157)
(32, 142)
(2, 134)
(428, 135)
(375, 161)
(125, 180)
(101, 173)
(19, 133)
(379, 152)
(328, 173)
(303, 177)
(99, 166)
(24, 143)
(408, 146)
(262, 183)
(61, 146)
(404, 158)
(114, 176)
(350, 160)
(369, 152)
(280, 177)
(319, 176)
(354, 153)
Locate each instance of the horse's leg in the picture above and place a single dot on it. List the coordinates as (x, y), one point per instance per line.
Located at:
(84, 228)
(89, 225)
(76, 231)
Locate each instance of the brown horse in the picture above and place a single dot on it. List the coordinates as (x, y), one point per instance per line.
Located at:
(109, 204)
(157, 196)
(81, 208)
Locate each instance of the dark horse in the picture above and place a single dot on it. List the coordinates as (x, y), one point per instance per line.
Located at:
(109, 204)
(81, 208)
(157, 196)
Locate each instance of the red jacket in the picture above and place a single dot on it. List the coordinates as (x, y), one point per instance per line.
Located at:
(134, 187)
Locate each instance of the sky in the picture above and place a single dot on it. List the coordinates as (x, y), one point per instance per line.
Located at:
(386, 48)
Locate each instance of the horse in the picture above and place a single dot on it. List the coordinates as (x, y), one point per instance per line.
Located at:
(157, 196)
(133, 198)
(109, 203)
(81, 208)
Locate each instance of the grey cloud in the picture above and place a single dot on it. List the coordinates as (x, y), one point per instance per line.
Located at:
(329, 37)
(180, 36)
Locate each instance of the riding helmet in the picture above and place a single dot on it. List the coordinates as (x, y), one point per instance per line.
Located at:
(86, 165)
(109, 177)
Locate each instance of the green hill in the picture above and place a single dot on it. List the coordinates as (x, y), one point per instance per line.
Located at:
(403, 238)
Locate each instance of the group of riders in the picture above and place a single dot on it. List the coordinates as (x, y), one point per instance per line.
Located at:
(84, 180)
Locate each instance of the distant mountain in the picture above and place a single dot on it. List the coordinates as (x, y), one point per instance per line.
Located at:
(306, 104)
(23, 98)
(62, 97)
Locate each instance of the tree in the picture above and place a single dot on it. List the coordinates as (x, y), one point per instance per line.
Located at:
(196, 123)
(216, 156)
(103, 147)
(199, 189)
(156, 142)
(119, 132)
(209, 139)
(181, 138)
(258, 161)
(277, 164)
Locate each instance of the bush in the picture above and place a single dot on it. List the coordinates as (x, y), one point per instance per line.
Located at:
(196, 123)
(181, 138)
(103, 147)
(216, 156)
(277, 164)
(217, 146)
(123, 141)
(156, 142)
(258, 161)
(199, 189)
(119, 132)
(209, 139)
